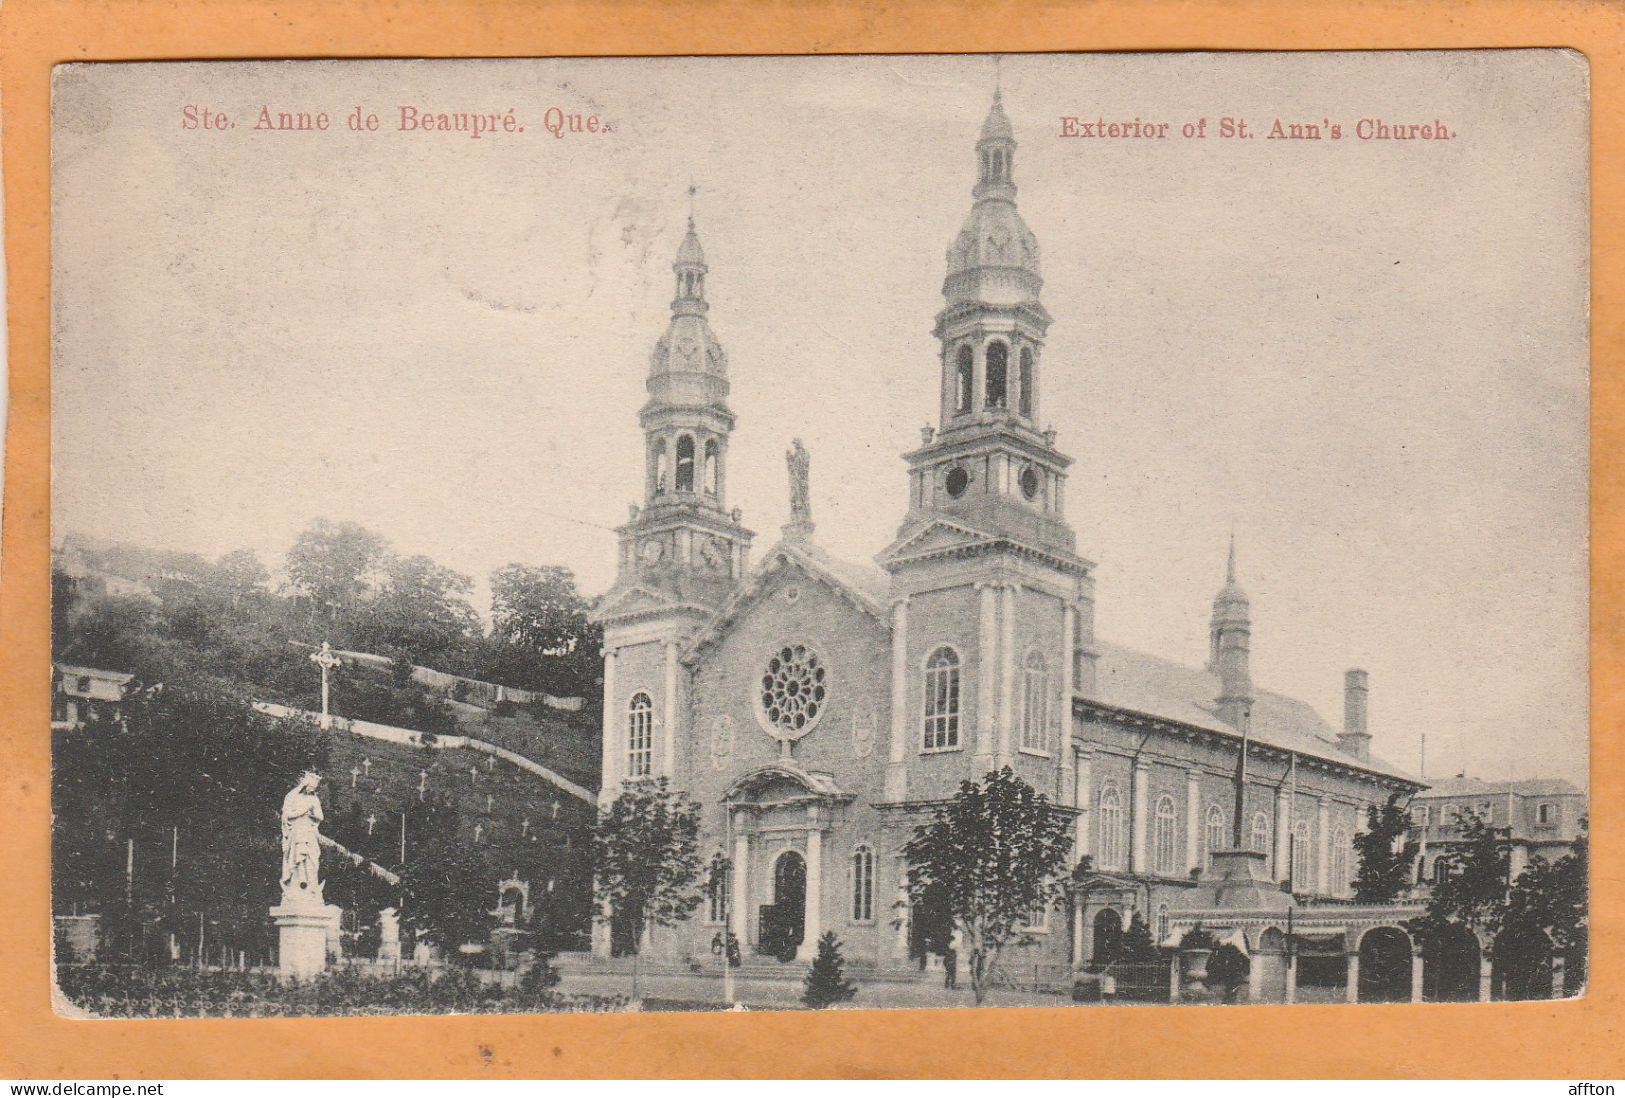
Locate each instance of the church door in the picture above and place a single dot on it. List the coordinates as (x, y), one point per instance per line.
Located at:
(786, 924)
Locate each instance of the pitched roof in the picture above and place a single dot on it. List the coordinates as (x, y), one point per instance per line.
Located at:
(1463, 786)
(1157, 687)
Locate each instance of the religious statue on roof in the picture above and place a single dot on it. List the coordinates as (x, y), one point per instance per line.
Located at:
(799, 463)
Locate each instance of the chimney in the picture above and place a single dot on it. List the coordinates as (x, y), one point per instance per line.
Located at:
(1355, 740)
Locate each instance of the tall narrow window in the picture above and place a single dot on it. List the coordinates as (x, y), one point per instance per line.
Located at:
(1026, 381)
(1300, 856)
(1111, 828)
(1035, 703)
(963, 373)
(863, 884)
(1260, 838)
(942, 700)
(640, 736)
(1215, 831)
(1339, 881)
(998, 374)
(685, 463)
(711, 467)
(1164, 919)
(1163, 837)
(662, 473)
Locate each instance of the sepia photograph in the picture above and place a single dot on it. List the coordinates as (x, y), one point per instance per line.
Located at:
(796, 533)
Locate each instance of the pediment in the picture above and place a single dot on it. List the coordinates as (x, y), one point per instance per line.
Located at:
(938, 535)
(629, 601)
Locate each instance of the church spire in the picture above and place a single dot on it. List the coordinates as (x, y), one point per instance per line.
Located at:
(1230, 644)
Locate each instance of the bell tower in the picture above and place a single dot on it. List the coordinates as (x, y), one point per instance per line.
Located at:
(988, 591)
(684, 537)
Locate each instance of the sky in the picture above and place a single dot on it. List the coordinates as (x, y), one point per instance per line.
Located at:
(1367, 359)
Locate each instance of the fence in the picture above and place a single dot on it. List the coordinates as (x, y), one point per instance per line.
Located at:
(1141, 981)
(1032, 976)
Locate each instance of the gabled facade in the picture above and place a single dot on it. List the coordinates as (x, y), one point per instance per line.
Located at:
(818, 710)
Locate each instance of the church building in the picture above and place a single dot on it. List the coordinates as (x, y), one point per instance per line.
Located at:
(818, 709)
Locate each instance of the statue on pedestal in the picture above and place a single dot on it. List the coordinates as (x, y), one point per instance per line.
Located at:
(302, 843)
(799, 464)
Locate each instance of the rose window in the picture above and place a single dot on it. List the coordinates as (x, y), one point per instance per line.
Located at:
(793, 690)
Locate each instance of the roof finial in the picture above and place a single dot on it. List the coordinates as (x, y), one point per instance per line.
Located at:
(998, 77)
(691, 189)
(1230, 568)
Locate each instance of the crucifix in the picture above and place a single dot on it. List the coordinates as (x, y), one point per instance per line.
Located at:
(473, 774)
(355, 772)
(478, 829)
(553, 810)
(524, 828)
(490, 762)
(371, 820)
(488, 800)
(326, 660)
(366, 767)
(423, 783)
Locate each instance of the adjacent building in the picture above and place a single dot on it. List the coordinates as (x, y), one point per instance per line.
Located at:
(1541, 816)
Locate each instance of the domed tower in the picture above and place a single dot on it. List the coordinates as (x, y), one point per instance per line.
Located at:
(984, 570)
(1229, 648)
(683, 551)
(684, 537)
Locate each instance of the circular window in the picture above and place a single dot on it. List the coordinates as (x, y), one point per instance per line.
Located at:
(1029, 482)
(957, 481)
(793, 690)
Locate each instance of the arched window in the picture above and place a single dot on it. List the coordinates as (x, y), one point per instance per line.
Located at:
(1215, 831)
(662, 474)
(1163, 837)
(685, 463)
(962, 379)
(1339, 871)
(1026, 381)
(998, 369)
(711, 467)
(718, 886)
(942, 700)
(1163, 923)
(1301, 880)
(640, 736)
(1111, 828)
(1035, 703)
(863, 884)
(1260, 838)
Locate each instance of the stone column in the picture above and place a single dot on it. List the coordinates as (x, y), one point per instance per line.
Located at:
(670, 765)
(1322, 846)
(1007, 674)
(1142, 775)
(1416, 975)
(1291, 959)
(986, 640)
(897, 766)
(611, 779)
(741, 881)
(811, 923)
(1079, 928)
(1486, 986)
(1193, 821)
(1063, 744)
(1283, 835)
(1255, 976)
(1352, 994)
(1082, 784)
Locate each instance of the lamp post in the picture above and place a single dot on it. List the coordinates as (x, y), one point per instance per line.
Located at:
(326, 660)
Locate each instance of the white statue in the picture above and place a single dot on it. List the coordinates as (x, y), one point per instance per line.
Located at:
(302, 842)
(799, 463)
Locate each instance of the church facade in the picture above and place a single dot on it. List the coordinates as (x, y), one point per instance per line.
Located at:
(818, 710)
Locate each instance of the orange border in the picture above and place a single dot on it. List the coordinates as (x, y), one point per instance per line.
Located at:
(1572, 1040)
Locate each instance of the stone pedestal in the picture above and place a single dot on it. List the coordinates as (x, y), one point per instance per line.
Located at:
(1240, 881)
(303, 932)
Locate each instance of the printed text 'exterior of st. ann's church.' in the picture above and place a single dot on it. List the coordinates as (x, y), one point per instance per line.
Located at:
(818, 710)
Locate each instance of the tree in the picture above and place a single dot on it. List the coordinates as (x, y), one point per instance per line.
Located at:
(995, 855)
(446, 888)
(1547, 911)
(421, 609)
(1386, 852)
(239, 577)
(826, 983)
(645, 862)
(1472, 892)
(540, 617)
(332, 564)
